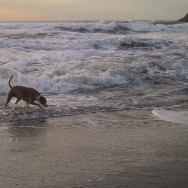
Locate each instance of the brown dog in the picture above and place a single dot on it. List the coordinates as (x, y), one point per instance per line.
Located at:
(29, 95)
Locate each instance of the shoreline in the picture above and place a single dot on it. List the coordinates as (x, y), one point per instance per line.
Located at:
(114, 149)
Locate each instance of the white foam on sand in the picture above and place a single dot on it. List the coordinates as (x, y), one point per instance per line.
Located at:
(172, 116)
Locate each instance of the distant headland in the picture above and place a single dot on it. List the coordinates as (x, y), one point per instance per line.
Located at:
(184, 19)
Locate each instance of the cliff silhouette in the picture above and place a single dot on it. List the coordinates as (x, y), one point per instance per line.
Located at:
(184, 19)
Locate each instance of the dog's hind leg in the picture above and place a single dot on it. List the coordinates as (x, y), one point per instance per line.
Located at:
(8, 98)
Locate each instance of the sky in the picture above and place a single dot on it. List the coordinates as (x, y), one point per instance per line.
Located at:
(57, 10)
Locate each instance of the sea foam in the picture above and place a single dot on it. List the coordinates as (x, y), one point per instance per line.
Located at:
(63, 57)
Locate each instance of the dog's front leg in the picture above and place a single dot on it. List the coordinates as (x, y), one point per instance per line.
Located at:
(15, 106)
(27, 104)
(37, 104)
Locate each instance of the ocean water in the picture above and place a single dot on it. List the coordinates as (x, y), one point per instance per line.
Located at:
(117, 95)
(98, 66)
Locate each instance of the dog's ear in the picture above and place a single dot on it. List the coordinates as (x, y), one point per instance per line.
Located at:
(42, 99)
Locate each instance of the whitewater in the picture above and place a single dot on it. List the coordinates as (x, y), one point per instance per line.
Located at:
(117, 95)
(94, 66)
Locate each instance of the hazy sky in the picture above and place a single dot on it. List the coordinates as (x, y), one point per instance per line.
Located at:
(37, 10)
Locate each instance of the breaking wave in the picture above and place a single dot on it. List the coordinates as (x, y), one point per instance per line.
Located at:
(120, 27)
(64, 57)
(58, 80)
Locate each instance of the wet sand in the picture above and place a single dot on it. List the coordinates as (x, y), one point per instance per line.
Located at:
(132, 149)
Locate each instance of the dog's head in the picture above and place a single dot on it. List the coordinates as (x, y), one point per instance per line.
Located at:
(42, 100)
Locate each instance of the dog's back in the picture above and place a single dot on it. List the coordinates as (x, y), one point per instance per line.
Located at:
(23, 92)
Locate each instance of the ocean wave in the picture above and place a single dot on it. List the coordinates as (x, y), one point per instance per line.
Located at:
(53, 80)
(24, 35)
(120, 27)
(34, 42)
(109, 27)
(47, 57)
(87, 35)
(144, 44)
(57, 83)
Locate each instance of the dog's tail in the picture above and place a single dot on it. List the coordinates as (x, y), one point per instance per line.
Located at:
(9, 82)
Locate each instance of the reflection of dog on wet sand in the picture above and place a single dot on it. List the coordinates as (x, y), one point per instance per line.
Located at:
(29, 95)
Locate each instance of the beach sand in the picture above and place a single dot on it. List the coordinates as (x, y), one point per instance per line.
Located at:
(132, 149)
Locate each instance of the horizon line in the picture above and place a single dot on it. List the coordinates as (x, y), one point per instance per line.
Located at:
(86, 20)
